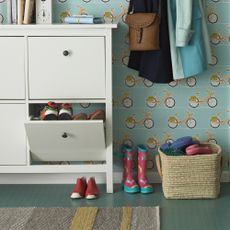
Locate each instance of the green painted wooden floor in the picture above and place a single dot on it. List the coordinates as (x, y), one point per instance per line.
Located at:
(175, 214)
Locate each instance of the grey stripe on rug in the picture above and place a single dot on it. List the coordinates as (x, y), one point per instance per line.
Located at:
(139, 218)
(145, 218)
(50, 219)
(14, 218)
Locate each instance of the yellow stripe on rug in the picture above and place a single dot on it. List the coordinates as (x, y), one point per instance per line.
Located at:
(84, 219)
(126, 218)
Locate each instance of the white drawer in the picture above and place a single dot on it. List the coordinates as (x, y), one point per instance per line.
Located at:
(66, 140)
(79, 74)
(12, 70)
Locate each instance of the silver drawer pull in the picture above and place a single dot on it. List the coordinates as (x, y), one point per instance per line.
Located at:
(64, 135)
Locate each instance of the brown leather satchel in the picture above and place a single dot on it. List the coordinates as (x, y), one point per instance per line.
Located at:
(144, 29)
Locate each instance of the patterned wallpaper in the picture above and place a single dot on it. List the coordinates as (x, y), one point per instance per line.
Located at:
(155, 113)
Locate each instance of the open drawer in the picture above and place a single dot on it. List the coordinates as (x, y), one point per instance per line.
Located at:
(66, 140)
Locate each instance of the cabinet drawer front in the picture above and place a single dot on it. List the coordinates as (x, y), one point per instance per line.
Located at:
(66, 140)
(66, 67)
(12, 136)
(12, 70)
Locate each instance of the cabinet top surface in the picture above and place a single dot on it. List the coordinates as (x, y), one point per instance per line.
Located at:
(60, 26)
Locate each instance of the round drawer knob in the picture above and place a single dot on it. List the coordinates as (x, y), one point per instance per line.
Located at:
(64, 135)
(65, 52)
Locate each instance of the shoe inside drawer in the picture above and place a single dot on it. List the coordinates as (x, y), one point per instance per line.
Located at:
(66, 140)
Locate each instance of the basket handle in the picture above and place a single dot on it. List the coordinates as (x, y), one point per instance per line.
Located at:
(158, 164)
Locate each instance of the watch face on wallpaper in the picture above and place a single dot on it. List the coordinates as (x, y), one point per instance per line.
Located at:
(170, 102)
(148, 123)
(212, 102)
(191, 81)
(173, 83)
(127, 102)
(147, 83)
(191, 123)
(212, 18)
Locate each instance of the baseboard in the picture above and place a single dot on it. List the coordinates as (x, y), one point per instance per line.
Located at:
(155, 178)
(70, 178)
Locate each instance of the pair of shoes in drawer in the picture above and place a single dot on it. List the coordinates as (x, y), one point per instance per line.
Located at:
(52, 112)
(97, 115)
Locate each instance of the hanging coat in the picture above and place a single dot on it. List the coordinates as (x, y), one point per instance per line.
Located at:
(154, 65)
(189, 42)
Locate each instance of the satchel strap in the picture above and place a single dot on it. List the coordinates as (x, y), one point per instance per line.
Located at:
(131, 6)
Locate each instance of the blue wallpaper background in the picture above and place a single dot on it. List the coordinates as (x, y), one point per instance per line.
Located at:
(155, 113)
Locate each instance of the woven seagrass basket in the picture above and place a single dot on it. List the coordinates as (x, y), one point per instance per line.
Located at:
(190, 177)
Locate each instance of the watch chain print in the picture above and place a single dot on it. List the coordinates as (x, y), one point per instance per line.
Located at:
(150, 113)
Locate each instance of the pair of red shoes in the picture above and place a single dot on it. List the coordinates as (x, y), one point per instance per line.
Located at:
(81, 189)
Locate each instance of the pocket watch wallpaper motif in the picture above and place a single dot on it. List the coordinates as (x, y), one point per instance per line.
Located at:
(210, 100)
(152, 142)
(147, 122)
(214, 60)
(152, 101)
(169, 101)
(191, 81)
(189, 121)
(173, 122)
(216, 121)
(212, 16)
(216, 79)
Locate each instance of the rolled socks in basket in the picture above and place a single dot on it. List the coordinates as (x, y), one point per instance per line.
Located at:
(198, 149)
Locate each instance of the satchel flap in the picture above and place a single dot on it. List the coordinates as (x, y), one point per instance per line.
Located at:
(140, 20)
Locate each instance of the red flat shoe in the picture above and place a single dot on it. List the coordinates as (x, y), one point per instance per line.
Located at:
(97, 115)
(79, 189)
(92, 191)
(80, 116)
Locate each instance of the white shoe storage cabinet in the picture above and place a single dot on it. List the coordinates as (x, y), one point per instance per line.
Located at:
(60, 63)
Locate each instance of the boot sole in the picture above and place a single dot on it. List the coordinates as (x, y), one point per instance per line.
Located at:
(131, 190)
(146, 190)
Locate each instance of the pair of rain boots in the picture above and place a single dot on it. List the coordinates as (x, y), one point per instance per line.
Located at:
(130, 184)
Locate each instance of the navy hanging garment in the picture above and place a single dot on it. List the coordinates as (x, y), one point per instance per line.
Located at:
(153, 65)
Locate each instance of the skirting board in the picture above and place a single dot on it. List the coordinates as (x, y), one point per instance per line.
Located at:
(70, 178)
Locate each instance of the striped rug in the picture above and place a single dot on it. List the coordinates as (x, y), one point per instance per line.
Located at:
(125, 218)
